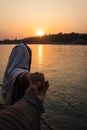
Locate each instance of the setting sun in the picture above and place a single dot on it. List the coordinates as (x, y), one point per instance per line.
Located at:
(40, 33)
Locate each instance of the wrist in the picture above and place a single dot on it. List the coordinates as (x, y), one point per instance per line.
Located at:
(31, 99)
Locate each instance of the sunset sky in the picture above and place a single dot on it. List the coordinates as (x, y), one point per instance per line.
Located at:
(24, 18)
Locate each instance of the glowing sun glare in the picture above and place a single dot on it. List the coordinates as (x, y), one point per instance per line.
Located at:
(40, 33)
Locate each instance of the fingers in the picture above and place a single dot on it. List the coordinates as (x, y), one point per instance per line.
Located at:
(40, 98)
(37, 77)
(42, 91)
(37, 85)
(44, 88)
(32, 89)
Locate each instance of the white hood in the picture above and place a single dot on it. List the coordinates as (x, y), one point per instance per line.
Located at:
(18, 63)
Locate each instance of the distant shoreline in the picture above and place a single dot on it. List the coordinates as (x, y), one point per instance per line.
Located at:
(46, 43)
(58, 39)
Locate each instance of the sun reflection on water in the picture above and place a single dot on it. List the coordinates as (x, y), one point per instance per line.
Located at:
(40, 54)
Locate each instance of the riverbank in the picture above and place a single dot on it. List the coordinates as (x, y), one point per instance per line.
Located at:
(60, 39)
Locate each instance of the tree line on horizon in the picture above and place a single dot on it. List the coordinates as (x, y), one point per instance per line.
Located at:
(60, 38)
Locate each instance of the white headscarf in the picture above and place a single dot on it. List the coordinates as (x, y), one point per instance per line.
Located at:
(18, 63)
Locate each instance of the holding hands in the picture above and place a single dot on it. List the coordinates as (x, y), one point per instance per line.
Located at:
(37, 84)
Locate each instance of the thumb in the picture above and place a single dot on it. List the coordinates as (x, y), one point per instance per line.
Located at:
(32, 89)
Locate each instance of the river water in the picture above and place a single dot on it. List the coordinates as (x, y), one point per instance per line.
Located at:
(66, 69)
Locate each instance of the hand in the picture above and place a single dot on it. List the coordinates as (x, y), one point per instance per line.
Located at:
(37, 77)
(38, 89)
(34, 77)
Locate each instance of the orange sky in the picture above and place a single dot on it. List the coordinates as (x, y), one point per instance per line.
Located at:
(23, 18)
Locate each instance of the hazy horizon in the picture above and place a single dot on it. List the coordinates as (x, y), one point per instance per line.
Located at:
(24, 18)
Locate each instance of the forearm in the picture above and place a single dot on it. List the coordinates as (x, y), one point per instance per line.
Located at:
(24, 115)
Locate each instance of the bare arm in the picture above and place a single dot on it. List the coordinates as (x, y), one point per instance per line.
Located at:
(25, 114)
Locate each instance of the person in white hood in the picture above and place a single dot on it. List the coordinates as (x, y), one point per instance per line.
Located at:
(16, 73)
